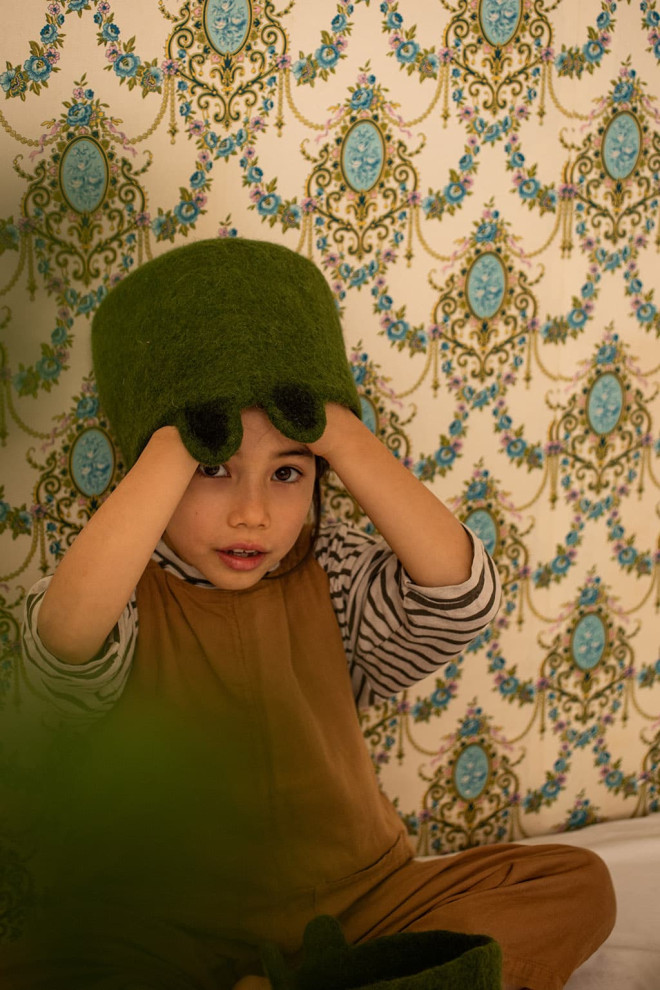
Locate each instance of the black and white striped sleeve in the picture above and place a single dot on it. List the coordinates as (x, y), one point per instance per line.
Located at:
(394, 631)
(74, 693)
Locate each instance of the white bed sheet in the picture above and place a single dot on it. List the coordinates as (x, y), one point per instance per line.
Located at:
(630, 958)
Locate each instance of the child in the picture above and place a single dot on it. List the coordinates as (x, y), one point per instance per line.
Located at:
(221, 367)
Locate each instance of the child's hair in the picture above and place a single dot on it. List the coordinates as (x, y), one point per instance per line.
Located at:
(317, 497)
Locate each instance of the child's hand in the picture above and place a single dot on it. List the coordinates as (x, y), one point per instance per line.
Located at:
(341, 423)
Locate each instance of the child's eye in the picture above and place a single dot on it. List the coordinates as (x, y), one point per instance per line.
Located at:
(213, 471)
(287, 474)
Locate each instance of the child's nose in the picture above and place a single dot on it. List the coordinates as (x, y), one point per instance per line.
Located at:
(250, 509)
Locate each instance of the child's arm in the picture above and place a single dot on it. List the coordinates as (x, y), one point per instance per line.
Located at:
(408, 515)
(94, 581)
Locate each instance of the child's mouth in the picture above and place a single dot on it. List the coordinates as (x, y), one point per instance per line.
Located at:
(241, 558)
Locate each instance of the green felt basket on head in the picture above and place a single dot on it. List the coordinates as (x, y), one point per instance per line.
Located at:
(436, 960)
(206, 330)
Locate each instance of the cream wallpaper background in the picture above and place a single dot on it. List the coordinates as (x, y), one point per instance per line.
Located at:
(479, 180)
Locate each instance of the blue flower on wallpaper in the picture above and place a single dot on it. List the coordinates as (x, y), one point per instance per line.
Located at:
(362, 98)
(476, 489)
(614, 779)
(454, 192)
(646, 312)
(627, 556)
(516, 448)
(126, 65)
(606, 354)
(78, 4)
(485, 232)
(593, 51)
(78, 115)
(87, 407)
(338, 23)
(6, 79)
(623, 91)
(441, 697)
(394, 20)
(495, 131)
(37, 68)
(407, 52)
(398, 329)
(186, 211)
(577, 318)
(560, 564)
(509, 685)
(48, 34)
(48, 368)
(470, 727)
(445, 456)
(529, 188)
(4, 511)
(225, 147)
(197, 179)
(268, 204)
(58, 336)
(551, 789)
(327, 56)
(110, 31)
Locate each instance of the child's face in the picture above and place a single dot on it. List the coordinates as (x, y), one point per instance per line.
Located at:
(237, 521)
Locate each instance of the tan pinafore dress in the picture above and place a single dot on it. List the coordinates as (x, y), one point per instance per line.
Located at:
(298, 824)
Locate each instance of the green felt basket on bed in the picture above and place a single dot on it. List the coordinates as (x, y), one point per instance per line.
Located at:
(408, 961)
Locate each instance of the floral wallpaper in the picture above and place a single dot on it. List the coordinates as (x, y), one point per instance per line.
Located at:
(479, 180)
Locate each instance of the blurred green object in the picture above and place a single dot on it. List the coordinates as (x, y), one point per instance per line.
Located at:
(408, 961)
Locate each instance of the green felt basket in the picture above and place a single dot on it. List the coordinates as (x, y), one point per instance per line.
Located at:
(206, 330)
(408, 961)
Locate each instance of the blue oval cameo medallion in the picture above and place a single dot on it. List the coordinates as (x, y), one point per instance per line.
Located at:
(622, 144)
(485, 285)
(483, 525)
(227, 24)
(362, 156)
(92, 462)
(588, 641)
(499, 20)
(605, 403)
(369, 414)
(84, 175)
(471, 772)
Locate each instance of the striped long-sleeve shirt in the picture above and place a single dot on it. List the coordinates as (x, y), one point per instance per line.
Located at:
(394, 631)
